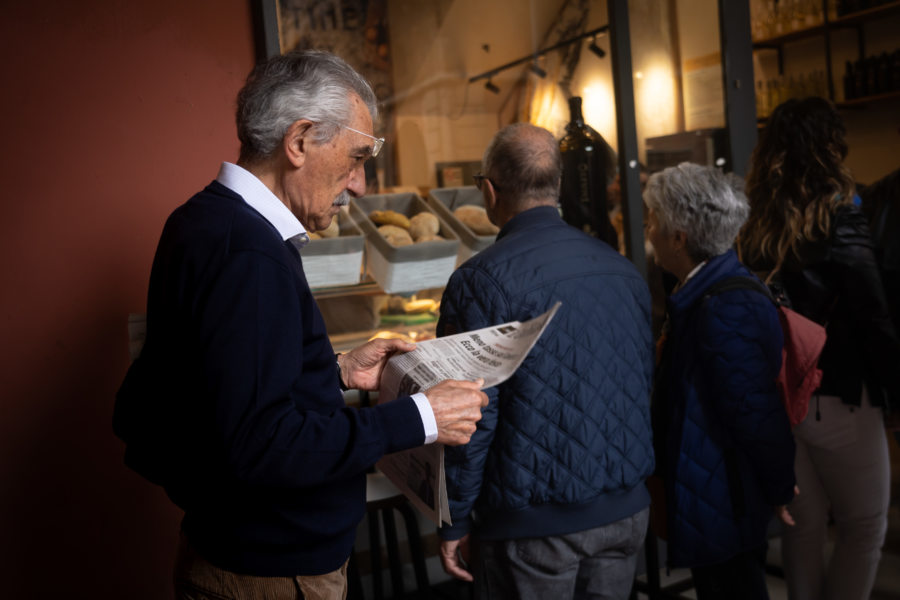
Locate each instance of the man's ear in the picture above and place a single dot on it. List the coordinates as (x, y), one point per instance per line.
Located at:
(297, 141)
(680, 240)
(490, 195)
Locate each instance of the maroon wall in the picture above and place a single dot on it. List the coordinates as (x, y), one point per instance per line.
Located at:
(115, 112)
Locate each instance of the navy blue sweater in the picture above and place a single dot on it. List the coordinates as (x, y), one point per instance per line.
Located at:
(234, 404)
(565, 444)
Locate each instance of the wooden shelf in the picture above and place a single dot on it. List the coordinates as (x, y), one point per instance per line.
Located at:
(855, 103)
(848, 20)
(366, 288)
(853, 19)
(863, 100)
(792, 36)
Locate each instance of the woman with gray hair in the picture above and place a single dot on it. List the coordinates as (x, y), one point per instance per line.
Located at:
(723, 443)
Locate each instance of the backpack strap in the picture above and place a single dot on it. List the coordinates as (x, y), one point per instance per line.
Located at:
(739, 282)
(732, 472)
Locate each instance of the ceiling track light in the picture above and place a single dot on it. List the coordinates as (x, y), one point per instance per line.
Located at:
(533, 59)
(538, 71)
(593, 47)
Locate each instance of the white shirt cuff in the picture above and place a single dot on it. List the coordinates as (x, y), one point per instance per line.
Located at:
(428, 422)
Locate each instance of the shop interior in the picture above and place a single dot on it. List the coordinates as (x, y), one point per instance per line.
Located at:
(138, 98)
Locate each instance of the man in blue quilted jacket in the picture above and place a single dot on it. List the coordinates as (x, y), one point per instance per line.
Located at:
(549, 495)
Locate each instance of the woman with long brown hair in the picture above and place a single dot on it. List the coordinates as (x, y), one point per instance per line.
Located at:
(805, 227)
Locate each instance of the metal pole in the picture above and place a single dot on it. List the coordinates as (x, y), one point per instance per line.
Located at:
(737, 83)
(626, 130)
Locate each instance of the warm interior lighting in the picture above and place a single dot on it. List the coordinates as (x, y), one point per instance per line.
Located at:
(639, 75)
(654, 96)
(599, 108)
(489, 86)
(548, 107)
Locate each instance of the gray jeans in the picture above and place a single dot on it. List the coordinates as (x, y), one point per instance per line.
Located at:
(843, 467)
(595, 563)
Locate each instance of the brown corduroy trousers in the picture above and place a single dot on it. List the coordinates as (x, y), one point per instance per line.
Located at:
(198, 579)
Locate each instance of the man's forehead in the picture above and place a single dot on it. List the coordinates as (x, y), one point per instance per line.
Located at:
(360, 115)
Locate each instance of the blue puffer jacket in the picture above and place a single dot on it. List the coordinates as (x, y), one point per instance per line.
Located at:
(723, 439)
(565, 444)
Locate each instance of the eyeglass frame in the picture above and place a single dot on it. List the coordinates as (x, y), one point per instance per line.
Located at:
(480, 178)
(377, 143)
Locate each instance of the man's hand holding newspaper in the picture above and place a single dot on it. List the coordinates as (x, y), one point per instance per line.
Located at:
(485, 357)
(454, 426)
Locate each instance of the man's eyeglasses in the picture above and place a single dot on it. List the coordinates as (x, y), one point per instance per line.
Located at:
(377, 143)
(480, 179)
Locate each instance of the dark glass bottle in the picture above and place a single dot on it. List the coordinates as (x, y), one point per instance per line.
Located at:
(860, 83)
(849, 82)
(884, 73)
(871, 76)
(589, 166)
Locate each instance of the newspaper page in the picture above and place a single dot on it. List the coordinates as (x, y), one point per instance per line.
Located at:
(493, 353)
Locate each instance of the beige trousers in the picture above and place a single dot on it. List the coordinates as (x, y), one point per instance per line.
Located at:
(198, 579)
(842, 467)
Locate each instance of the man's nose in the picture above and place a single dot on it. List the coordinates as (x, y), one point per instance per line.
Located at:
(357, 182)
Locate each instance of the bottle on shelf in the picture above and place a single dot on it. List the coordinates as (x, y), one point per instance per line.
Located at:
(797, 14)
(757, 20)
(860, 82)
(872, 85)
(589, 165)
(762, 108)
(814, 15)
(884, 73)
(845, 7)
(849, 82)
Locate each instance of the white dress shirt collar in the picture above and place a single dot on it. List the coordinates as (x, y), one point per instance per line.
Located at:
(694, 271)
(260, 198)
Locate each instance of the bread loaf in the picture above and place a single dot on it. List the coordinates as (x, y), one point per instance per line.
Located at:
(396, 236)
(422, 225)
(389, 217)
(333, 230)
(431, 238)
(476, 219)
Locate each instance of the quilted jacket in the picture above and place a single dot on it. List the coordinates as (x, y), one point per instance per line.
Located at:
(724, 443)
(565, 444)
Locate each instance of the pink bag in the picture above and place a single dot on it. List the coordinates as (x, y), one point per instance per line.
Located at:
(804, 340)
(800, 375)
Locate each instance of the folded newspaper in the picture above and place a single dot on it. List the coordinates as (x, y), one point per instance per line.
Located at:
(493, 353)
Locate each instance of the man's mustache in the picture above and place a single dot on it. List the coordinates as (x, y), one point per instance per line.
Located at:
(343, 199)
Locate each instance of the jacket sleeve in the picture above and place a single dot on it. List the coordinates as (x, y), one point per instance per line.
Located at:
(273, 424)
(739, 345)
(471, 300)
(860, 283)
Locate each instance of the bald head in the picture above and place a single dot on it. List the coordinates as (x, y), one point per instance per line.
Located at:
(524, 165)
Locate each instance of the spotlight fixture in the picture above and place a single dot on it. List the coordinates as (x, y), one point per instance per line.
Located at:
(538, 71)
(489, 86)
(593, 47)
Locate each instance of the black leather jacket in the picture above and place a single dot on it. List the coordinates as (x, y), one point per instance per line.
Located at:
(836, 283)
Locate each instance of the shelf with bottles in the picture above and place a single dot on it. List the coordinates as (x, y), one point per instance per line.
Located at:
(775, 23)
(870, 78)
(774, 91)
(854, 13)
